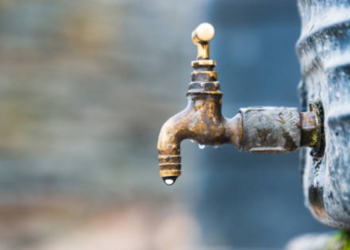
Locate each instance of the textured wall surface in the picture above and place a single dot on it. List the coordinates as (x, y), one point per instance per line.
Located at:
(324, 53)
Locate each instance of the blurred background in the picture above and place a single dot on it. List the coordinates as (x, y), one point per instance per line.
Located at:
(85, 87)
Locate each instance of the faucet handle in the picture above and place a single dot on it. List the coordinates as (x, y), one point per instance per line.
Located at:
(201, 37)
(203, 33)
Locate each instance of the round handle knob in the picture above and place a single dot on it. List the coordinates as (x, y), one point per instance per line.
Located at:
(203, 33)
(201, 37)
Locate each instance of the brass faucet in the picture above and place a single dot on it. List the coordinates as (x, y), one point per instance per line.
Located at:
(268, 130)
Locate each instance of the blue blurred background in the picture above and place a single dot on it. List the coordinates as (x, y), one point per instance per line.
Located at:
(85, 88)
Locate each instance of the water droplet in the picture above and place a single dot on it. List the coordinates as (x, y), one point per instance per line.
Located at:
(169, 180)
(216, 146)
(193, 141)
(337, 95)
(201, 146)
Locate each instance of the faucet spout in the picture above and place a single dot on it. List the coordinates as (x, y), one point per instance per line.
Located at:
(170, 137)
(202, 122)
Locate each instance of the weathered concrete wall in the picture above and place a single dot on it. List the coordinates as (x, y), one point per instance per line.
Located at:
(324, 53)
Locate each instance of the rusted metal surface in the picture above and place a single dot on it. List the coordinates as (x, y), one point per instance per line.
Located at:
(201, 121)
(269, 130)
(309, 123)
(312, 133)
(324, 53)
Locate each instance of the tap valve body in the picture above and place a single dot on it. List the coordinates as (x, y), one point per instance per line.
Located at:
(268, 130)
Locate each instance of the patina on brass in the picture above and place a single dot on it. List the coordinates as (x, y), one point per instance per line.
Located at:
(256, 130)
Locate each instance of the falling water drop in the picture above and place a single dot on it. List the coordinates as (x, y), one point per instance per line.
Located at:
(201, 146)
(216, 146)
(170, 180)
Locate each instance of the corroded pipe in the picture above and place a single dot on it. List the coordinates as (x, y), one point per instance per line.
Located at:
(257, 130)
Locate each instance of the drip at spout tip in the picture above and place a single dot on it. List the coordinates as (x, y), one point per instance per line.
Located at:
(169, 180)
